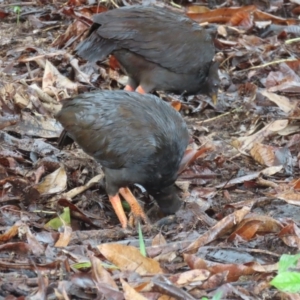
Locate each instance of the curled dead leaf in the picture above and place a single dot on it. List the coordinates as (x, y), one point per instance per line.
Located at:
(55, 182)
(130, 293)
(129, 258)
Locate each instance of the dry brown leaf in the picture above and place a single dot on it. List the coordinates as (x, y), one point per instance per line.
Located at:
(220, 15)
(263, 16)
(64, 237)
(21, 100)
(271, 170)
(290, 235)
(272, 156)
(9, 234)
(248, 91)
(100, 274)
(166, 297)
(234, 270)
(74, 192)
(290, 129)
(54, 82)
(215, 281)
(296, 184)
(222, 31)
(246, 231)
(267, 223)
(246, 143)
(188, 277)
(80, 76)
(36, 247)
(196, 9)
(159, 240)
(242, 19)
(283, 102)
(263, 268)
(263, 154)
(34, 124)
(55, 182)
(8, 121)
(290, 197)
(253, 224)
(267, 172)
(219, 229)
(190, 155)
(285, 79)
(130, 293)
(129, 258)
(292, 241)
(288, 296)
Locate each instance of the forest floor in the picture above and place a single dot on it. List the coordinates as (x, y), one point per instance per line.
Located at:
(60, 238)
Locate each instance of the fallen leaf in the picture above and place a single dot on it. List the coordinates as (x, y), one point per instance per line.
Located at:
(129, 258)
(55, 182)
(130, 293)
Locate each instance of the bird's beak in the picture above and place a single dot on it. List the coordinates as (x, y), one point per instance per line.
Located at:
(214, 98)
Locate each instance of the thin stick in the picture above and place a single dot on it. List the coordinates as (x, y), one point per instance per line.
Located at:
(292, 41)
(268, 64)
(217, 117)
(18, 4)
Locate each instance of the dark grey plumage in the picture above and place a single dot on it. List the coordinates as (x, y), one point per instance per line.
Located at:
(158, 49)
(136, 138)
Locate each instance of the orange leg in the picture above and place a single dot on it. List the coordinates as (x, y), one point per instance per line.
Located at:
(128, 88)
(140, 90)
(136, 209)
(117, 206)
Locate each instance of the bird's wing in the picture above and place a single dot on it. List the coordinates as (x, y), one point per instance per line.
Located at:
(169, 39)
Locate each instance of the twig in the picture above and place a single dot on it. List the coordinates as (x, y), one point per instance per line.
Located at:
(217, 117)
(268, 64)
(42, 95)
(112, 1)
(18, 4)
(287, 42)
(78, 190)
(175, 4)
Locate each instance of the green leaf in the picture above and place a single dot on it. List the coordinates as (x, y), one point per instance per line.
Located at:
(82, 265)
(87, 264)
(141, 241)
(17, 9)
(126, 206)
(217, 296)
(286, 261)
(287, 282)
(59, 221)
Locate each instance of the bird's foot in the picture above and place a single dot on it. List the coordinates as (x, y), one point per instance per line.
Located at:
(140, 90)
(135, 220)
(117, 206)
(128, 88)
(137, 212)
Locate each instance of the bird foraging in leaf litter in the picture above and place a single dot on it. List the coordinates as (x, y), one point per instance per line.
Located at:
(157, 48)
(136, 138)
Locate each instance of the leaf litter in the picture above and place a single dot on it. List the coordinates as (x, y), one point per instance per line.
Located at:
(59, 235)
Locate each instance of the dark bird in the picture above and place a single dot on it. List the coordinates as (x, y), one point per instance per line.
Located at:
(136, 138)
(157, 48)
